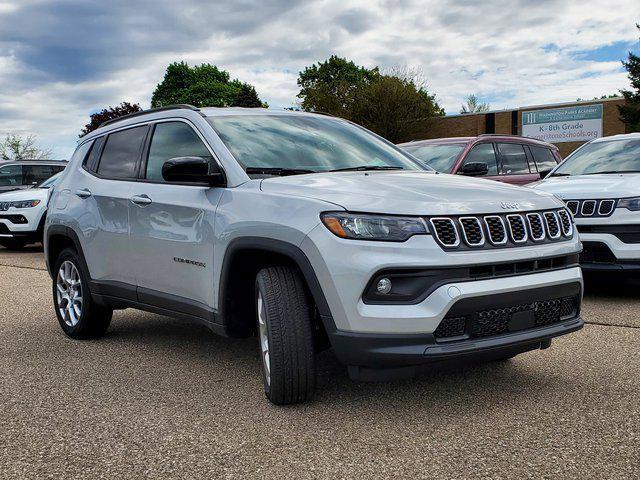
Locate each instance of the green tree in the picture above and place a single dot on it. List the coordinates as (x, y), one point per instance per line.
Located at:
(98, 118)
(330, 86)
(473, 104)
(203, 86)
(393, 104)
(395, 107)
(15, 147)
(630, 111)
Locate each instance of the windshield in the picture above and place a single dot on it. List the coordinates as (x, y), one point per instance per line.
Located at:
(48, 182)
(617, 156)
(305, 144)
(438, 157)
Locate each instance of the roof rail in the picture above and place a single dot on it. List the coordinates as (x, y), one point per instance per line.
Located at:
(178, 106)
(509, 135)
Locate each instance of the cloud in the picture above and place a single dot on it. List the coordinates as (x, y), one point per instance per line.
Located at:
(62, 59)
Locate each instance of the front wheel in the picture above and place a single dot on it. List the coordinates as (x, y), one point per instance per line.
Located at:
(78, 315)
(283, 313)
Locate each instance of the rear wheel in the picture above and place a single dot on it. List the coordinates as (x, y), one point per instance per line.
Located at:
(78, 315)
(283, 313)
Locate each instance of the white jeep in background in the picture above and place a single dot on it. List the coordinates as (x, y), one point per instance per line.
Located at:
(600, 184)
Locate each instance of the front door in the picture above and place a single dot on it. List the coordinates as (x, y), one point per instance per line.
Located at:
(172, 225)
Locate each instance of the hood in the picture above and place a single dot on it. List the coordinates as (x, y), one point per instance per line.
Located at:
(411, 193)
(28, 194)
(580, 187)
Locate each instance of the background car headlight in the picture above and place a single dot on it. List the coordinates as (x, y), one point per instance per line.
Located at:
(25, 204)
(363, 226)
(632, 204)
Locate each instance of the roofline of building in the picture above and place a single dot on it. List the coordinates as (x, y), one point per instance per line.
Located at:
(531, 107)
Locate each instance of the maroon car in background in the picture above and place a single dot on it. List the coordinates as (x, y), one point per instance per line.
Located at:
(506, 158)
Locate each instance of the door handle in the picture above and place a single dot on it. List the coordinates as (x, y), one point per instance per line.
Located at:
(84, 193)
(141, 200)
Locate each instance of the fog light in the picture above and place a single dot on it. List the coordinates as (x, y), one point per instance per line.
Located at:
(384, 286)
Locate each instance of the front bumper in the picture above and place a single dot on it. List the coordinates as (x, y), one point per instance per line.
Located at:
(402, 353)
(21, 223)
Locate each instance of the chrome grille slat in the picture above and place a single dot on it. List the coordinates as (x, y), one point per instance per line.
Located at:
(496, 230)
(536, 226)
(472, 231)
(565, 223)
(517, 228)
(446, 231)
(553, 225)
(573, 206)
(588, 208)
(606, 207)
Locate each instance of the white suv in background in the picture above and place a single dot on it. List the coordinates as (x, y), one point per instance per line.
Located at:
(600, 184)
(22, 215)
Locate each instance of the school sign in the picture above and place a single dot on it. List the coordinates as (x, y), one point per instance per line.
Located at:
(578, 123)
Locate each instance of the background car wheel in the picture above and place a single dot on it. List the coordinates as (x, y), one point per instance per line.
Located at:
(13, 244)
(283, 314)
(78, 315)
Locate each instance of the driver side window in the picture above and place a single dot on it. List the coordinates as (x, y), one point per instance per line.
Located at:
(11, 175)
(483, 153)
(170, 140)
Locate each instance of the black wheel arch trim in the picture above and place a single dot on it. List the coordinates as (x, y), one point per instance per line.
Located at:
(63, 231)
(286, 249)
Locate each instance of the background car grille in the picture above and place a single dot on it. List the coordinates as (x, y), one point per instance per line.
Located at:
(591, 208)
(502, 230)
(498, 321)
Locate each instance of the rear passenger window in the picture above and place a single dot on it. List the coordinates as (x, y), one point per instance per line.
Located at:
(170, 140)
(121, 153)
(483, 153)
(544, 158)
(513, 159)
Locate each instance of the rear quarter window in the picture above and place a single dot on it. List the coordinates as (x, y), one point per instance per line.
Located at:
(544, 158)
(121, 153)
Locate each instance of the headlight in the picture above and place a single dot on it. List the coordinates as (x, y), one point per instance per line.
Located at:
(363, 226)
(632, 204)
(25, 204)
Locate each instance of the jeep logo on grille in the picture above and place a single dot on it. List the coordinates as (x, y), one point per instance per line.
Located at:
(4, 206)
(510, 205)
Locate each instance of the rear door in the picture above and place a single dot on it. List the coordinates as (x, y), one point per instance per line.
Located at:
(105, 192)
(514, 166)
(172, 224)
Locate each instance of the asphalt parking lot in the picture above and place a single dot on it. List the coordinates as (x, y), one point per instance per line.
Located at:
(157, 398)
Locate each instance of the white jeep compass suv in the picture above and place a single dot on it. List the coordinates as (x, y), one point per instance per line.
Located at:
(310, 232)
(600, 183)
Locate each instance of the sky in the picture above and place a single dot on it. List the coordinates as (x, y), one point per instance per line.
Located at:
(61, 60)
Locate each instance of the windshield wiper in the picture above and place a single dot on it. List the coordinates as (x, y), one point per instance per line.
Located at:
(364, 168)
(560, 175)
(612, 171)
(277, 171)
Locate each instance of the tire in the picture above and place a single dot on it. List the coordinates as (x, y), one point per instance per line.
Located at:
(93, 319)
(13, 244)
(283, 313)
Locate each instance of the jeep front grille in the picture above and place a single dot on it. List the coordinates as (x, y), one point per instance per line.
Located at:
(536, 228)
(565, 223)
(591, 208)
(551, 222)
(446, 232)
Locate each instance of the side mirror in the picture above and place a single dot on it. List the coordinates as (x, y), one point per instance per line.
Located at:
(545, 173)
(193, 171)
(474, 169)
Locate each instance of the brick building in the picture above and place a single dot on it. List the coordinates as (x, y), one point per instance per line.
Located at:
(567, 125)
